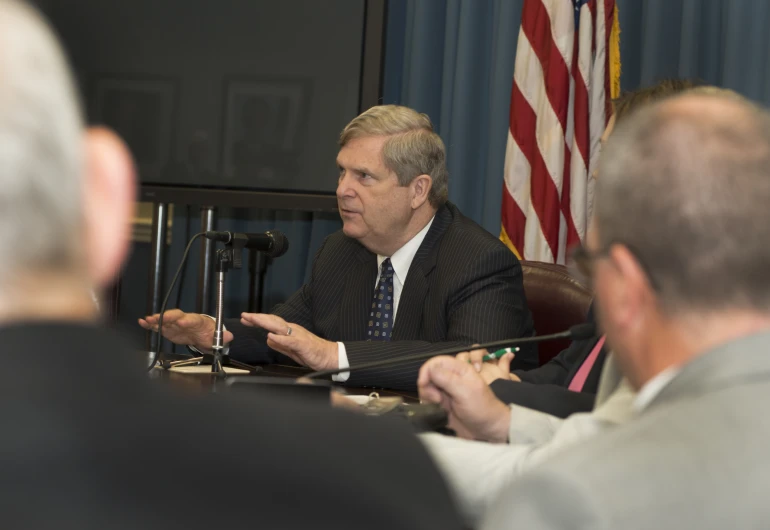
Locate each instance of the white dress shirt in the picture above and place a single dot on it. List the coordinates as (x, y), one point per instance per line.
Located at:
(653, 387)
(401, 260)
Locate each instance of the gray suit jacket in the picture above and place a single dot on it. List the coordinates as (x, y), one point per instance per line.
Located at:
(695, 458)
(477, 472)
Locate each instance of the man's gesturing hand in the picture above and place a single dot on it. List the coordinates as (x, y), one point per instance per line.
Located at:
(474, 411)
(295, 341)
(185, 328)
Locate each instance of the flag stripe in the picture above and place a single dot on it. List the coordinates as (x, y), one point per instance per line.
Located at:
(560, 104)
(545, 198)
(552, 63)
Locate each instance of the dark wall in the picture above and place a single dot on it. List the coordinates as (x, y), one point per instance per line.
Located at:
(236, 93)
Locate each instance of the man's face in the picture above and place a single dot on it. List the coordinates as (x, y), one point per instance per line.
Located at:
(624, 303)
(375, 210)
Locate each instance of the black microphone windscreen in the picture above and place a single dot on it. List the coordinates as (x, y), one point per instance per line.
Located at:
(280, 244)
(583, 331)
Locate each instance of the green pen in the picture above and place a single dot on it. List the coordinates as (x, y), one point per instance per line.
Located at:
(498, 354)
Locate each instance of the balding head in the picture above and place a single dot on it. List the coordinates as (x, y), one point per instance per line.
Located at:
(686, 187)
(60, 189)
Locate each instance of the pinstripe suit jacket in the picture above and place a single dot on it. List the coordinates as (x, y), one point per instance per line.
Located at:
(463, 286)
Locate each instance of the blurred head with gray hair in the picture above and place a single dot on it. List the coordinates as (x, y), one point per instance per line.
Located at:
(681, 235)
(65, 193)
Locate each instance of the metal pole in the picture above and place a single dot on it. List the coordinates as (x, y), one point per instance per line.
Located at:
(219, 333)
(202, 304)
(157, 264)
(258, 262)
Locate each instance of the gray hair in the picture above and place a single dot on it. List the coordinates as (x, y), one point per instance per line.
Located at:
(686, 187)
(413, 147)
(41, 148)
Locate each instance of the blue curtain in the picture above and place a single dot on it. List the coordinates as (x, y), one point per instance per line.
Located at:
(721, 42)
(453, 59)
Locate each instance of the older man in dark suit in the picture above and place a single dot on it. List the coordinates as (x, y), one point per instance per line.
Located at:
(407, 273)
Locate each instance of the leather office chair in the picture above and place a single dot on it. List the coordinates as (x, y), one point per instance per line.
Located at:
(557, 301)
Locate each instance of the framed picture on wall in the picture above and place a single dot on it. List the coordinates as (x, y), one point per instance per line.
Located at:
(263, 131)
(142, 112)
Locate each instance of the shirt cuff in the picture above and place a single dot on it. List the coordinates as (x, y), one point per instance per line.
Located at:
(225, 350)
(342, 356)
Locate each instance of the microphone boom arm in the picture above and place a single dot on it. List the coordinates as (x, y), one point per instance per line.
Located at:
(570, 333)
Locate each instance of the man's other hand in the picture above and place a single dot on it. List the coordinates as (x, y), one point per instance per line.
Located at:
(490, 370)
(190, 329)
(295, 341)
(474, 411)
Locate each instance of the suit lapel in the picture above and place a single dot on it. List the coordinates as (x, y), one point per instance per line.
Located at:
(357, 299)
(410, 306)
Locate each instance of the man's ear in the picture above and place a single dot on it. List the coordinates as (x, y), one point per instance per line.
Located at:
(420, 187)
(109, 202)
(637, 293)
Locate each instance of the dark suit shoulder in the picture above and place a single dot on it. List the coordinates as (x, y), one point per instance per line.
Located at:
(465, 242)
(464, 227)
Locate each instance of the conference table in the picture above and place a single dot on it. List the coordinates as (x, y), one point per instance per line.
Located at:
(200, 379)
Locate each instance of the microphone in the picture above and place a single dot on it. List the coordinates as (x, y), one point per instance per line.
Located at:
(578, 332)
(272, 242)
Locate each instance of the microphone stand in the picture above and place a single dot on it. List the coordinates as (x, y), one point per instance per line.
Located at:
(226, 258)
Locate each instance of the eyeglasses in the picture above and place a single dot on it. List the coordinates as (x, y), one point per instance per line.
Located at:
(583, 262)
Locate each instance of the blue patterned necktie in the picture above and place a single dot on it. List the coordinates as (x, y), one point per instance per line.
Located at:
(381, 315)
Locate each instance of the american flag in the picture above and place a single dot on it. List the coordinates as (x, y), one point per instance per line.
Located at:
(567, 71)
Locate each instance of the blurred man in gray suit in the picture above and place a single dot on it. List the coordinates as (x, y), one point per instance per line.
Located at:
(679, 255)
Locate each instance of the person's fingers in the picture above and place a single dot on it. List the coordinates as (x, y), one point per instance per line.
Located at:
(430, 366)
(271, 343)
(429, 393)
(425, 388)
(288, 342)
(477, 357)
(228, 337)
(271, 323)
(170, 316)
(504, 363)
(447, 373)
(190, 321)
(143, 323)
(464, 357)
(423, 376)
